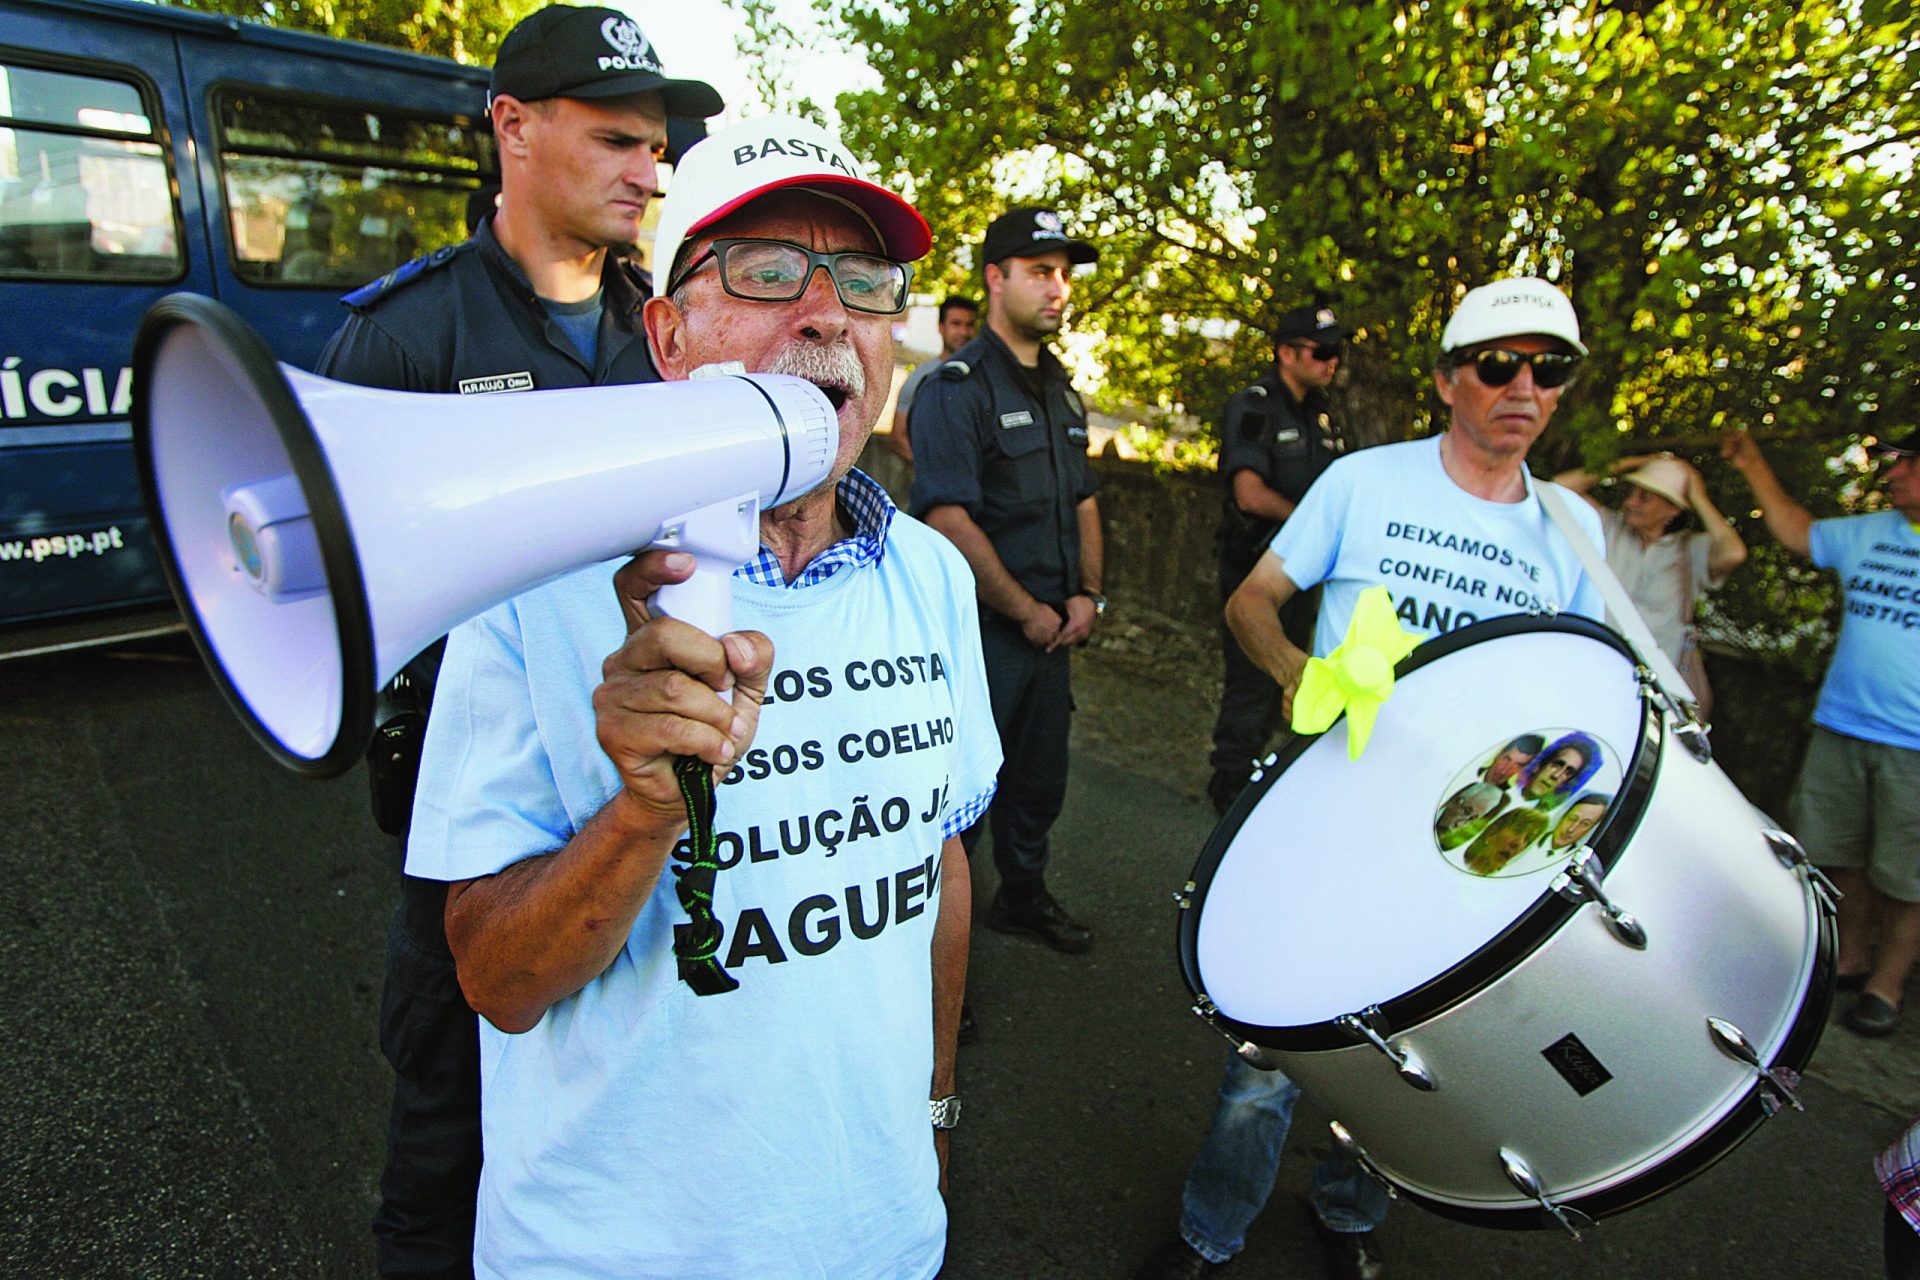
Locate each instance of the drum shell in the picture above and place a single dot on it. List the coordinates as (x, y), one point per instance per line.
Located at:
(1277, 939)
(1732, 933)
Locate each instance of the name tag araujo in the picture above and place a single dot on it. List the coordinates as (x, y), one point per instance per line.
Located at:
(1018, 418)
(522, 381)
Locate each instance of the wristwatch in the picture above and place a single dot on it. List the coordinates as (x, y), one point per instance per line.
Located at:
(945, 1111)
(1099, 601)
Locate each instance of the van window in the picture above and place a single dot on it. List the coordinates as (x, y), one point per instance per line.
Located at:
(84, 187)
(336, 194)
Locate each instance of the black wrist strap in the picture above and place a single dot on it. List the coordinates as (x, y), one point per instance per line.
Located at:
(697, 942)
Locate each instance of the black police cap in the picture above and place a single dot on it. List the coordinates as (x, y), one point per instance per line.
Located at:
(1316, 324)
(1028, 233)
(563, 51)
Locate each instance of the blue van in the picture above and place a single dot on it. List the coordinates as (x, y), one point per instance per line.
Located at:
(145, 150)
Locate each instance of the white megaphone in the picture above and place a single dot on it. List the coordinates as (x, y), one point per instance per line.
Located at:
(317, 535)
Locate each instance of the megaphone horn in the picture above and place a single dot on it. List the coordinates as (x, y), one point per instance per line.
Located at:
(317, 535)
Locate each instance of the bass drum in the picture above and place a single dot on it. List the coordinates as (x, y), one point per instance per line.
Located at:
(1535, 952)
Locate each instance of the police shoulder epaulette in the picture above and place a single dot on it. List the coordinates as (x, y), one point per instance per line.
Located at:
(641, 278)
(403, 274)
(954, 370)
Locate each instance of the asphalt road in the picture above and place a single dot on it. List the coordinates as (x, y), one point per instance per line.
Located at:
(190, 948)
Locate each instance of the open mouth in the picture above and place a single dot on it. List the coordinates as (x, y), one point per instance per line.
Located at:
(836, 395)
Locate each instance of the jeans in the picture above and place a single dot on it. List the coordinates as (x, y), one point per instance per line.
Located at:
(1233, 1175)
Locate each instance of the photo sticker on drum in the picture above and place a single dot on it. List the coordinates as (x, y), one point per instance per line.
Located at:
(1524, 804)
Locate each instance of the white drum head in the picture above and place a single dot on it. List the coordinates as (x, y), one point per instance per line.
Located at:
(1351, 883)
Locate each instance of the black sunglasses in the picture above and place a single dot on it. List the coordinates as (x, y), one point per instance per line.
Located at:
(1321, 351)
(1497, 366)
(776, 271)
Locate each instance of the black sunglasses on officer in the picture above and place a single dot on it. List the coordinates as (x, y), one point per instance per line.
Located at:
(1497, 366)
(780, 271)
(1321, 351)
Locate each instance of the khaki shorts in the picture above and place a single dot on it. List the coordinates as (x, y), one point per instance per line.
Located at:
(1857, 806)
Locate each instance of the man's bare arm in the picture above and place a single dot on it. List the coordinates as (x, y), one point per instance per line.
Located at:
(898, 439)
(1253, 614)
(545, 927)
(1081, 614)
(951, 931)
(1789, 522)
(1259, 499)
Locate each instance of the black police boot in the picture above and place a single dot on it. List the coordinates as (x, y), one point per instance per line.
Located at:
(1031, 910)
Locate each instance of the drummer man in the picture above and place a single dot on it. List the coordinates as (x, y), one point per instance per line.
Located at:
(1419, 518)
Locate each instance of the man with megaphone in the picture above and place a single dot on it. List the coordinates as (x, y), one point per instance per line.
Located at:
(788, 1118)
(542, 295)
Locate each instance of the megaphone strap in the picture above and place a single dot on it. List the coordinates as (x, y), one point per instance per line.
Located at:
(697, 942)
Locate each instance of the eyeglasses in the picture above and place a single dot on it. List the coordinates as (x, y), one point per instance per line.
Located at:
(1321, 351)
(776, 271)
(1497, 366)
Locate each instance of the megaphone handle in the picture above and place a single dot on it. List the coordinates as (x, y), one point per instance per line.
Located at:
(705, 600)
(720, 537)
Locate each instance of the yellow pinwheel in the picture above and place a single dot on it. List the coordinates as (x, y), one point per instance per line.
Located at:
(1357, 676)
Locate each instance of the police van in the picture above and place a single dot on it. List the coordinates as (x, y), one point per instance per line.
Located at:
(144, 150)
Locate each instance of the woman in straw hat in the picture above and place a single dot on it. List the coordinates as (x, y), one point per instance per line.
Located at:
(1664, 567)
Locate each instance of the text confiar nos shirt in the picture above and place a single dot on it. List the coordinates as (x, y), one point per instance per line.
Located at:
(1391, 516)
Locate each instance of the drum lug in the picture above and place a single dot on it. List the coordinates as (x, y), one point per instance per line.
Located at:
(1792, 854)
(1370, 1025)
(1688, 731)
(1358, 1154)
(1692, 736)
(1521, 1175)
(1580, 882)
(1733, 1042)
(1257, 1058)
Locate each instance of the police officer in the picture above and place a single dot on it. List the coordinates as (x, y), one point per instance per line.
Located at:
(542, 295)
(1000, 454)
(1276, 438)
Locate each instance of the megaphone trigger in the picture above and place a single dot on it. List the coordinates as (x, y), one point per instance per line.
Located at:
(720, 537)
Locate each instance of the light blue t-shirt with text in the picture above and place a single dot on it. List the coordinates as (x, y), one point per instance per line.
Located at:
(780, 1130)
(1872, 688)
(1391, 516)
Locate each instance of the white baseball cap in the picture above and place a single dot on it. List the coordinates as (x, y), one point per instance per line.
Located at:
(1511, 309)
(744, 161)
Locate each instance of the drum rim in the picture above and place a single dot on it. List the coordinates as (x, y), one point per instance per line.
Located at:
(1501, 953)
(1715, 1144)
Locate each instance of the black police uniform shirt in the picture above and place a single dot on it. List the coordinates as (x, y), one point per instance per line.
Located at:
(1284, 441)
(1008, 444)
(465, 319)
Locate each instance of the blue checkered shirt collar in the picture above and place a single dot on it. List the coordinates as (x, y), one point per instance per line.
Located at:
(872, 511)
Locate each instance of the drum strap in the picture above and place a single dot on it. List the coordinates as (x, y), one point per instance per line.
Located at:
(1619, 604)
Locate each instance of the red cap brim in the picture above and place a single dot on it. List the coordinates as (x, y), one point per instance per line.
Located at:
(903, 232)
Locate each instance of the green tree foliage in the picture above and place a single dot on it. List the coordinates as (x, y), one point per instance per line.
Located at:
(1724, 187)
(464, 30)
